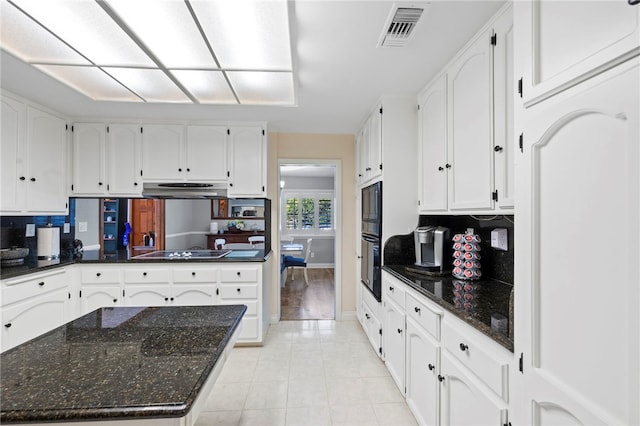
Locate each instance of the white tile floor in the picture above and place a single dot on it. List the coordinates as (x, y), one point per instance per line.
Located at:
(307, 373)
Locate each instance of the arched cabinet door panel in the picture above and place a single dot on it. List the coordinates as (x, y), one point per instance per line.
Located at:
(580, 329)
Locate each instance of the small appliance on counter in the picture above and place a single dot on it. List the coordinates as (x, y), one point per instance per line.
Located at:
(431, 254)
(48, 243)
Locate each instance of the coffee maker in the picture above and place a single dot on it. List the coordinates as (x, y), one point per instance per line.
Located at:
(431, 248)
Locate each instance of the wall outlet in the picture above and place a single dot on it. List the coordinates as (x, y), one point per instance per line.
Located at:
(30, 230)
(313, 255)
(66, 228)
(82, 226)
(499, 239)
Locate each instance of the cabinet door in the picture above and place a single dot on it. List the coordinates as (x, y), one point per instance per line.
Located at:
(34, 316)
(363, 151)
(123, 159)
(12, 166)
(433, 147)
(247, 161)
(194, 295)
(464, 400)
(422, 369)
(372, 328)
(140, 295)
(558, 55)
(375, 144)
(47, 170)
(505, 144)
(89, 145)
(393, 342)
(581, 161)
(98, 296)
(163, 153)
(206, 153)
(470, 136)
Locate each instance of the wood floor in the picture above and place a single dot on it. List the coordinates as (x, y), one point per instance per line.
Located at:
(313, 302)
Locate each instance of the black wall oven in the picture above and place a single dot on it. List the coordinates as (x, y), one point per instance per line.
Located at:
(370, 273)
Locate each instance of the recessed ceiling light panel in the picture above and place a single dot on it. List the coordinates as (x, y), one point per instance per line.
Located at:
(207, 86)
(152, 85)
(261, 88)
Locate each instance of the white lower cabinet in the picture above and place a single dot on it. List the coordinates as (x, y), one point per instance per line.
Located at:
(464, 400)
(423, 367)
(93, 297)
(370, 320)
(33, 305)
(450, 373)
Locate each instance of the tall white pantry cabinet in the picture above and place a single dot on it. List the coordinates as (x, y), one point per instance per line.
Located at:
(577, 208)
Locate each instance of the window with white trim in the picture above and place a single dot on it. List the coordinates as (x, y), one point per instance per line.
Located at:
(307, 212)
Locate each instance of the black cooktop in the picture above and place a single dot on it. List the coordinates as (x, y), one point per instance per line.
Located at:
(183, 254)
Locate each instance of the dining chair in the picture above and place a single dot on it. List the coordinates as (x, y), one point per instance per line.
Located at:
(238, 246)
(299, 262)
(218, 243)
(256, 239)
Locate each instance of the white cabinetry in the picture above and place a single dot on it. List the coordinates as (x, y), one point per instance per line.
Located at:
(247, 161)
(393, 332)
(147, 286)
(124, 162)
(34, 160)
(33, 305)
(369, 318)
(89, 163)
(423, 368)
(466, 136)
(563, 45)
(99, 287)
(370, 147)
(206, 153)
(580, 166)
(163, 153)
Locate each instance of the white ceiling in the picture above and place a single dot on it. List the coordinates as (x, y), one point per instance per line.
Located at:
(341, 72)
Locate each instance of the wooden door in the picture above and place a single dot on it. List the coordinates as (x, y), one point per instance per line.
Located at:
(147, 215)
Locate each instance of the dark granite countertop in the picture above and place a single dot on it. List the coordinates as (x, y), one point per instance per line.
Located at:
(32, 264)
(117, 363)
(472, 301)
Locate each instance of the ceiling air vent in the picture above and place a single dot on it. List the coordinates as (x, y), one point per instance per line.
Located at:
(400, 25)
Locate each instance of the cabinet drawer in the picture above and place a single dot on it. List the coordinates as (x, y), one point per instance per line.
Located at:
(477, 356)
(395, 291)
(25, 287)
(98, 276)
(239, 275)
(195, 275)
(147, 276)
(240, 291)
(424, 316)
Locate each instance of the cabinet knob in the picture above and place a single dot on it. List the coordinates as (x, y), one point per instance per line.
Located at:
(188, 169)
(8, 325)
(391, 288)
(463, 347)
(32, 179)
(230, 184)
(23, 178)
(171, 299)
(238, 273)
(144, 274)
(448, 166)
(115, 300)
(99, 183)
(238, 290)
(367, 316)
(399, 331)
(416, 309)
(441, 378)
(179, 170)
(497, 148)
(193, 274)
(98, 274)
(440, 168)
(431, 367)
(41, 283)
(135, 183)
(166, 299)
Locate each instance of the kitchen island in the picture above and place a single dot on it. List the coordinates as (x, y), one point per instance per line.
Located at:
(129, 365)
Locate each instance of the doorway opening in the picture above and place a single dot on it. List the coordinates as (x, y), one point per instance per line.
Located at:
(309, 235)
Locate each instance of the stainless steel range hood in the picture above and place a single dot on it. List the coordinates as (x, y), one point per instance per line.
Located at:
(184, 190)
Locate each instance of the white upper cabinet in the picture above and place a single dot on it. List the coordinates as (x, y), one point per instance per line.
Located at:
(470, 139)
(175, 153)
(163, 153)
(46, 159)
(370, 147)
(566, 42)
(13, 141)
(466, 134)
(106, 159)
(247, 161)
(206, 155)
(432, 130)
(89, 163)
(124, 162)
(34, 160)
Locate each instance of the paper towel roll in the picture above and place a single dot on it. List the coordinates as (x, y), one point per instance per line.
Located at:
(48, 243)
